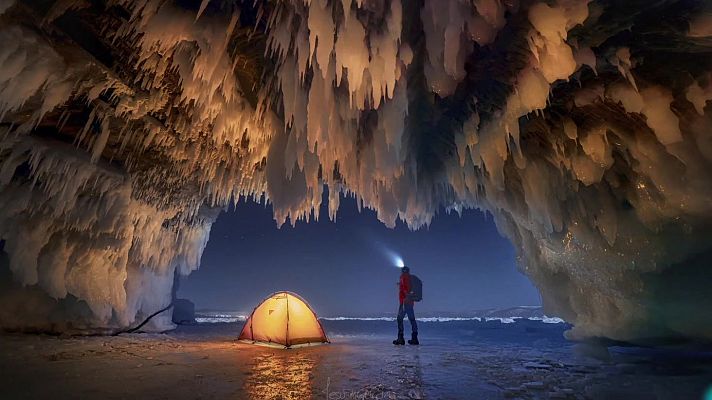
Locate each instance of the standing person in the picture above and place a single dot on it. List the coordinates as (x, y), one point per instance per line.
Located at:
(406, 307)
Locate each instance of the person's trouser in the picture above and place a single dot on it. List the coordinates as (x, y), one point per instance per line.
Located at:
(404, 309)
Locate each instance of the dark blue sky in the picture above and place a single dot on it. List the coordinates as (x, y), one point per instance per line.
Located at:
(340, 267)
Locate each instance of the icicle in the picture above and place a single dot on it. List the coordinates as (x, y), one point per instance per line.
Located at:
(203, 5)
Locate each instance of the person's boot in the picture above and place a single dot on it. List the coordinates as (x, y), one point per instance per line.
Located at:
(414, 338)
(400, 340)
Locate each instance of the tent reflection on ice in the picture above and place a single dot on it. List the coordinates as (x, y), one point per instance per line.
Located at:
(283, 320)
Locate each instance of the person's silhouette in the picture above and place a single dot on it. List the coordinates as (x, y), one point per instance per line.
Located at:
(406, 307)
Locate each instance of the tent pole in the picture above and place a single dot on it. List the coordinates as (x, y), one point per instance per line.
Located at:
(286, 338)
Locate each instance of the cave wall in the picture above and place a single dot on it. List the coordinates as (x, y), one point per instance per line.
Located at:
(89, 256)
(582, 126)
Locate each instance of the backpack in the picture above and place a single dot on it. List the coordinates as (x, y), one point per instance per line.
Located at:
(416, 288)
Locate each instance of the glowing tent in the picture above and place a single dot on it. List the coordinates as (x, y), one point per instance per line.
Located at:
(284, 320)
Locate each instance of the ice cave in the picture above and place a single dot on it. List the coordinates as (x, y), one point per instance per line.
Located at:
(583, 126)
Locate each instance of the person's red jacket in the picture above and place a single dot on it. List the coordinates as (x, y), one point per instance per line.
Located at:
(404, 288)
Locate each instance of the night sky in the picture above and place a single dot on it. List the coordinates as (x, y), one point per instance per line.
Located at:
(342, 269)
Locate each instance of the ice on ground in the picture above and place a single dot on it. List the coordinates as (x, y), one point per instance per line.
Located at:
(457, 360)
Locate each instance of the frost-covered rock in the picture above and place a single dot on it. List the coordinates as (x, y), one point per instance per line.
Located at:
(183, 311)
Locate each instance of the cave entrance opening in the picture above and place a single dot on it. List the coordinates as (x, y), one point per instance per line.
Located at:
(344, 267)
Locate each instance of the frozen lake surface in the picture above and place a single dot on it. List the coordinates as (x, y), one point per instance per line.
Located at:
(457, 360)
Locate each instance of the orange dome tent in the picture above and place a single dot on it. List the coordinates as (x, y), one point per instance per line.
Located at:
(284, 320)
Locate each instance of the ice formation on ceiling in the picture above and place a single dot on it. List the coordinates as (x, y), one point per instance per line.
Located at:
(582, 126)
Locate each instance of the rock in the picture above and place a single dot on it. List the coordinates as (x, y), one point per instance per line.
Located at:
(183, 312)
